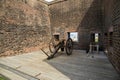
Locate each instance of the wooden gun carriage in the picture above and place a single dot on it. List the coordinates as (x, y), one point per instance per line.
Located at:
(55, 44)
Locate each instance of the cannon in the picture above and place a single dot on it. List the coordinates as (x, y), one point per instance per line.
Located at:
(55, 45)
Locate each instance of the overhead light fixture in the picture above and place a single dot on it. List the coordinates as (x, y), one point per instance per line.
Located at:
(49, 0)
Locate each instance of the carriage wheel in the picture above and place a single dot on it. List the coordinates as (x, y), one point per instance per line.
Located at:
(69, 46)
(51, 46)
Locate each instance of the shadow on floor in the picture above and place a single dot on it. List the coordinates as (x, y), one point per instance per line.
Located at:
(80, 67)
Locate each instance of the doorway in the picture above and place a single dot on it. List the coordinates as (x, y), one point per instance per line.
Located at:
(73, 36)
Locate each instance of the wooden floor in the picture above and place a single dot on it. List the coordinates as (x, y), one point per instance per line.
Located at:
(78, 66)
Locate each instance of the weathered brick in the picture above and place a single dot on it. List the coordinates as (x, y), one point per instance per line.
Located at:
(23, 26)
(84, 16)
(112, 24)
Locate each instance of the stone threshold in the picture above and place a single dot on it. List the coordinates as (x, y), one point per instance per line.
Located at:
(22, 74)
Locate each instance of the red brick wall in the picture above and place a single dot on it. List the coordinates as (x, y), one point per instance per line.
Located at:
(84, 16)
(24, 26)
(112, 24)
(116, 34)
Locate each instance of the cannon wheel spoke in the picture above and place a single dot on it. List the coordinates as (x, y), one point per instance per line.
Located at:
(51, 46)
(69, 46)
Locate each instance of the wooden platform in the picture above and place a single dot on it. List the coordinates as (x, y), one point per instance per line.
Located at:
(78, 66)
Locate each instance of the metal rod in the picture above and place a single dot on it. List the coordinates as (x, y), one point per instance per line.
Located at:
(44, 52)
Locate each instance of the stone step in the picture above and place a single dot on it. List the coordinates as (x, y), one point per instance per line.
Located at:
(10, 75)
(15, 74)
